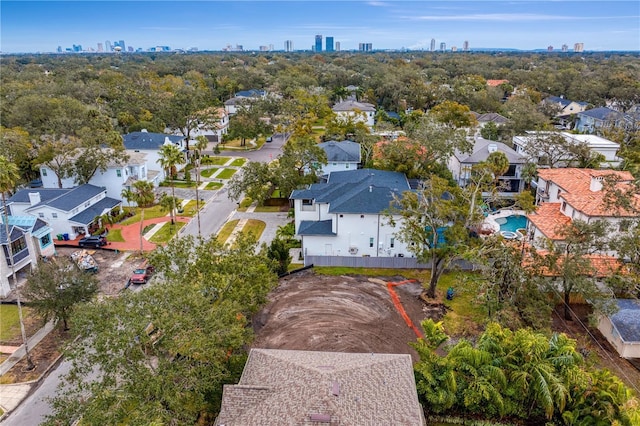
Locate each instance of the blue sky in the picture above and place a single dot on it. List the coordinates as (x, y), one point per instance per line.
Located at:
(42, 26)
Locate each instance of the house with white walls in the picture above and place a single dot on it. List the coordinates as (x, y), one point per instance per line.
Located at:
(357, 111)
(568, 194)
(622, 329)
(596, 144)
(346, 215)
(118, 175)
(69, 212)
(150, 144)
(29, 240)
(461, 163)
(215, 128)
(341, 156)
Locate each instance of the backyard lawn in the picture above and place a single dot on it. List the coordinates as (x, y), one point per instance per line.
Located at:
(10, 322)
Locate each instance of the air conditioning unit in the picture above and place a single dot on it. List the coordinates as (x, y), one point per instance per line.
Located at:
(353, 250)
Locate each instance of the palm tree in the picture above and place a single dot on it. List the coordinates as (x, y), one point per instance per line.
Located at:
(200, 145)
(142, 194)
(8, 177)
(170, 157)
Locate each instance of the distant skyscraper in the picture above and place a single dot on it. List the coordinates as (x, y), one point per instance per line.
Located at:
(433, 45)
(549, 48)
(99, 47)
(454, 49)
(77, 48)
(59, 49)
(337, 46)
(465, 46)
(107, 46)
(365, 47)
(329, 44)
(288, 46)
(120, 44)
(318, 45)
(565, 48)
(443, 46)
(578, 47)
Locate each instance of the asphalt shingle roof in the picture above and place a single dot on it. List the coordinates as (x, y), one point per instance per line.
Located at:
(310, 227)
(75, 197)
(353, 105)
(627, 320)
(98, 209)
(598, 113)
(341, 151)
(14, 231)
(22, 196)
(480, 152)
(148, 141)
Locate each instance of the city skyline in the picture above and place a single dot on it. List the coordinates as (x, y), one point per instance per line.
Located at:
(42, 26)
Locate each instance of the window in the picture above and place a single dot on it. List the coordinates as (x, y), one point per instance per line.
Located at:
(564, 206)
(44, 172)
(346, 166)
(45, 241)
(392, 242)
(41, 215)
(54, 215)
(361, 216)
(341, 215)
(118, 172)
(18, 245)
(371, 242)
(307, 202)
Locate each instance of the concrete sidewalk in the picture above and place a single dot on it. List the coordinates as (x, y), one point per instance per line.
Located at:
(11, 395)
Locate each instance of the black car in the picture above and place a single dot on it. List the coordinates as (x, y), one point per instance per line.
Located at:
(93, 241)
(269, 139)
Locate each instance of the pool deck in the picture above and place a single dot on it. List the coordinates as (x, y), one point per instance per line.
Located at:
(490, 221)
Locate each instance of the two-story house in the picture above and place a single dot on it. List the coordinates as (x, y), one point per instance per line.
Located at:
(29, 240)
(564, 106)
(343, 155)
(216, 127)
(596, 144)
(357, 111)
(591, 120)
(346, 215)
(150, 144)
(460, 164)
(117, 176)
(564, 195)
(244, 98)
(66, 211)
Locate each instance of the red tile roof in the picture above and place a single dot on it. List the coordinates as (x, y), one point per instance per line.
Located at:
(599, 265)
(495, 83)
(549, 220)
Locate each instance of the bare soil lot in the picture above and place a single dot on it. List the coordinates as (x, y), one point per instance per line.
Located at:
(316, 312)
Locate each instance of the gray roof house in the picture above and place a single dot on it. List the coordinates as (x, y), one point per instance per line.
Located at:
(490, 117)
(565, 106)
(66, 211)
(592, 119)
(346, 215)
(343, 155)
(150, 144)
(359, 111)
(622, 329)
(460, 165)
(287, 387)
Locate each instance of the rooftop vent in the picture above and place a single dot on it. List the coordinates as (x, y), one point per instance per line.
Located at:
(323, 418)
(335, 388)
(492, 147)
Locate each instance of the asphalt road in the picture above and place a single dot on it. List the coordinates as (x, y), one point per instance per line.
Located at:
(218, 208)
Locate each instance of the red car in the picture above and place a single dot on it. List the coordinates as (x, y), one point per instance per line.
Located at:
(141, 275)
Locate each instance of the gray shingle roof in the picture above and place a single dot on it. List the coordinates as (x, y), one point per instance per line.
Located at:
(74, 197)
(14, 231)
(251, 93)
(148, 141)
(598, 113)
(98, 209)
(288, 387)
(356, 191)
(558, 100)
(310, 227)
(480, 152)
(352, 105)
(492, 116)
(627, 320)
(22, 196)
(341, 151)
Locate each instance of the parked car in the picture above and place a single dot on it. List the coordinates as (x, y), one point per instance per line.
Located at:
(141, 275)
(93, 241)
(269, 139)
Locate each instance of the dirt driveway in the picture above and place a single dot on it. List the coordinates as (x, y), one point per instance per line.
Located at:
(338, 313)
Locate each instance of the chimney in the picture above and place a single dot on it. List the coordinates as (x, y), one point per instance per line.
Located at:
(492, 147)
(370, 188)
(596, 183)
(34, 198)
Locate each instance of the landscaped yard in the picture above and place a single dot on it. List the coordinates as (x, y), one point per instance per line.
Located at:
(213, 185)
(226, 230)
(208, 172)
(226, 173)
(239, 162)
(166, 232)
(179, 183)
(189, 209)
(10, 321)
(149, 213)
(115, 235)
(214, 161)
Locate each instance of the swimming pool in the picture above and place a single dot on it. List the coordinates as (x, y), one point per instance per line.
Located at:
(512, 223)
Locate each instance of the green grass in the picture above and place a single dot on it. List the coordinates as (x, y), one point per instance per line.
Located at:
(10, 321)
(254, 226)
(267, 209)
(244, 204)
(208, 172)
(226, 231)
(213, 185)
(215, 161)
(190, 209)
(179, 184)
(167, 232)
(239, 162)
(226, 173)
(149, 213)
(115, 235)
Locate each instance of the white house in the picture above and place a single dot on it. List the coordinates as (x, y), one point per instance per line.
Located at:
(217, 129)
(244, 98)
(356, 111)
(568, 194)
(341, 156)
(511, 183)
(150, 144)
(565, 107)
(596, 144)
(622, 329)
(66, 211)
(346, 215)
(115, 178)
(30, 239)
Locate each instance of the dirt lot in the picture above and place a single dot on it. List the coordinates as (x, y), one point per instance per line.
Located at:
(342, 314)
